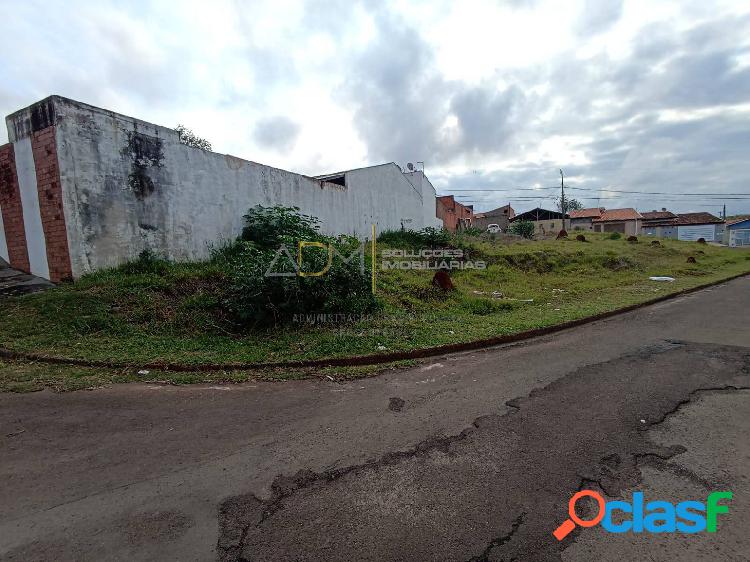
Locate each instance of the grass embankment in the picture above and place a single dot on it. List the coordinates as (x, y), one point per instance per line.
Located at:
(175, 314)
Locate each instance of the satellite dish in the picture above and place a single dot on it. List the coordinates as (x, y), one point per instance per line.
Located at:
(410, 166)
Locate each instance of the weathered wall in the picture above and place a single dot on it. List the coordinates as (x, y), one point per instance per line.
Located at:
(628, 227)
(99, 187)
(584, 223)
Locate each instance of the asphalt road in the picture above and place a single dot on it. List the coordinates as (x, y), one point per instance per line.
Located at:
(467, 457)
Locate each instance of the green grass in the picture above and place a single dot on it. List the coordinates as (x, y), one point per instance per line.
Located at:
(173, 313)
(30, 376)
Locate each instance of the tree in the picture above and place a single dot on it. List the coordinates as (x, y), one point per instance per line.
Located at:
(522, 228)
(570, 204)
(189, 138)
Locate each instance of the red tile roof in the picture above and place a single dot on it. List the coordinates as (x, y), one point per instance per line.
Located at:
(628, 214)
(594, 212)
(735, 221)
(652, 215)
(697, 218)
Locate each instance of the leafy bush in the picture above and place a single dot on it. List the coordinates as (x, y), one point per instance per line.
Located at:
(522, 228)
(267, 227)
(472, 231)
(265, 287)
(615, 236)
(426, 238)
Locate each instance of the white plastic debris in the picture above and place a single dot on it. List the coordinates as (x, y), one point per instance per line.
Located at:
(381, 347)
(661, 278)
(144, 372)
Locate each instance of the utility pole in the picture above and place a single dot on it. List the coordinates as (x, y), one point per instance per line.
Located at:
(724, 212)
(562, 197)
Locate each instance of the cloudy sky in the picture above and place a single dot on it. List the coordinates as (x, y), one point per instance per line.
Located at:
(646, 96)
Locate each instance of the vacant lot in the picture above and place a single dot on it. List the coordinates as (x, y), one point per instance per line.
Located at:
(176, 313)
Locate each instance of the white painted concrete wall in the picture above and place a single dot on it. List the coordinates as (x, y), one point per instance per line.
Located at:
(420, 181)
(32, 217)
(200, 197)
(3, 242)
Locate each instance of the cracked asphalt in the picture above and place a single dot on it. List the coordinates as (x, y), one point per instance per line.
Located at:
(468, 457)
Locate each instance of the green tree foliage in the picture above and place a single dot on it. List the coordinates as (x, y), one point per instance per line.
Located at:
(522, 228)
(570, 204)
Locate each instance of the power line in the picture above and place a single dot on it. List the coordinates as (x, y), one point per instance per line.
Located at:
(602, 189)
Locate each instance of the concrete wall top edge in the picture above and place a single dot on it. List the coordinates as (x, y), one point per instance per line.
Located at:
(50, 110)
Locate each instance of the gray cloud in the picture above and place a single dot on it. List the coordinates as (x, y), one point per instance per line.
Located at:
(278, 133)
(598, 16)
(402, 103)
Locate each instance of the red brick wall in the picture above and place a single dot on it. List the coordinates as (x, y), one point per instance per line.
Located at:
(44, 148)
(10, 203)
(452, 212)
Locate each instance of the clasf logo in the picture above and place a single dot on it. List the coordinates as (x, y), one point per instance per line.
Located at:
(651, 517)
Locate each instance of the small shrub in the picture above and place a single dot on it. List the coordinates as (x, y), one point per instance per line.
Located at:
(472, 231)
(264, 285)
(562, 234)
(615, 236)
(522, 228)
(581, 238)
(146, 263)
(485, 306)
(632, 239)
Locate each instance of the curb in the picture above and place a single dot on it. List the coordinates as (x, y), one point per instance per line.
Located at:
(360, 360)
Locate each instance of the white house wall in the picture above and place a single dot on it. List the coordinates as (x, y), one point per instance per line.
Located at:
(193, 198)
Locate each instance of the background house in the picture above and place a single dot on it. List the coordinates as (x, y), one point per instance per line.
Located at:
(582, 219)
(692, 226)
(659, 223)
(625, 221)
(454, 215)
(737, 232)
(545, 221)
(500, 216)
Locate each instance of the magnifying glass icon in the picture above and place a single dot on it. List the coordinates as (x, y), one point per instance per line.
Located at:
(569, 524)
